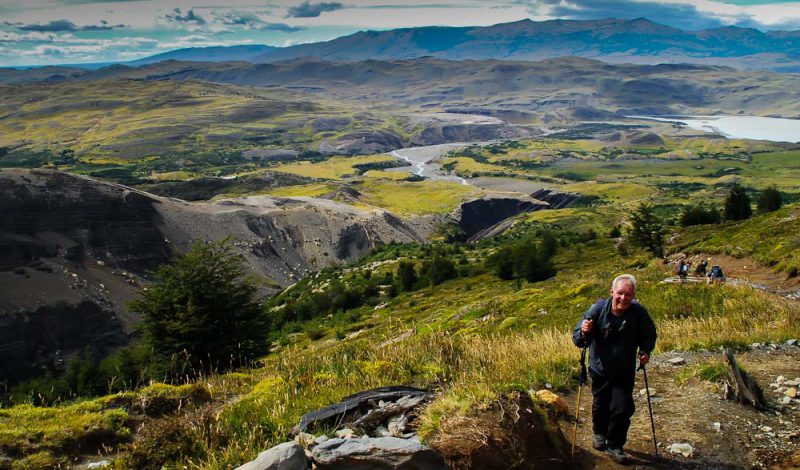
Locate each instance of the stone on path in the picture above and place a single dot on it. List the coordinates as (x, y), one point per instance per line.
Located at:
(677, 361)
(383, 453)
(685, 449)
(286, 456)
(791, 392)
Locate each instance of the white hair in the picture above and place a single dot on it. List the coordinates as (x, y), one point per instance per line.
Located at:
(624, 278)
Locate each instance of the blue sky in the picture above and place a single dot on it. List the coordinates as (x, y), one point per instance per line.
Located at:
(40, 32)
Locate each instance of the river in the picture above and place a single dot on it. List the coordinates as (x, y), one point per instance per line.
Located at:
(423, 160)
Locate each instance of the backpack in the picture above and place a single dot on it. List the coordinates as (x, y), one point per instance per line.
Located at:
(685, 269)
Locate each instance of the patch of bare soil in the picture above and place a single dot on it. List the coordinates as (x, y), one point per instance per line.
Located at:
(512, 433)
(743, 438)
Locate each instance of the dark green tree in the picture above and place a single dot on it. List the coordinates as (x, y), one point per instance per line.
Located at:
(438, 269)
(501, 262)
(769, 200)
(407, 275)
(699, 215)
(737, 204)
(647, 229)
(200, 313)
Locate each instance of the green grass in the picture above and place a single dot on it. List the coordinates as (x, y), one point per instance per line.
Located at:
(747, 238)
(415, 198)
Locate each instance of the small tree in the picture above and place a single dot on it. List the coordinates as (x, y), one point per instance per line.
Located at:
(647, 230)
(770, 200)
(407, 275)
(737, 204)
(201, 309)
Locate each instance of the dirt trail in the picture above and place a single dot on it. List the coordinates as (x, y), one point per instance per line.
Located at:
(745, 271)
(686, 414)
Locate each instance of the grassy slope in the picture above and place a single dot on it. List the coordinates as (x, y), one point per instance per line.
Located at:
(471, 338)
(475, 337)
(156, 117)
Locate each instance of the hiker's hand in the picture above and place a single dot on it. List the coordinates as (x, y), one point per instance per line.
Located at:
(586, 326)
(644, 358)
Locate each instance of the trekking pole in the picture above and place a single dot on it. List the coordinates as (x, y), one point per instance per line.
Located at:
(581, 382)
(650, 408)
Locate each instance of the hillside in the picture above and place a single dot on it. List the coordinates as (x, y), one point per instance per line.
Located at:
(474, 339)
(207, 114)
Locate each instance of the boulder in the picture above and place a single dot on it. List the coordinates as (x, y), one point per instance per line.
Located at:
(286, 456)
(554, 401)
(376, 453)
(685, 449)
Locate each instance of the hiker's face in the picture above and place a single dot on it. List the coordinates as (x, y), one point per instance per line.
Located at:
(621, 296)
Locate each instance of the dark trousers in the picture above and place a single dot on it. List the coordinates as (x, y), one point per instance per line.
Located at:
(612, 407)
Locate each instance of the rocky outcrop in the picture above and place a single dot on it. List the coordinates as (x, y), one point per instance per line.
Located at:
(555, 199)
(479, 215)
(363, 143)
(440, 134)
(73, 251)
(43, 340)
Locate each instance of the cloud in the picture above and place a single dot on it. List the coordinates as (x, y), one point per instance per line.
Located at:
(681, 15)
(190, 17)
(252, 21)
(61, 26)
(312, 10)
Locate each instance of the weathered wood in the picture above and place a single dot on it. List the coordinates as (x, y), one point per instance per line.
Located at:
(358, 403)
(745, 389)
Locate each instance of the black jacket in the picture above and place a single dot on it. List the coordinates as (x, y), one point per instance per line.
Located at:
(614, 341)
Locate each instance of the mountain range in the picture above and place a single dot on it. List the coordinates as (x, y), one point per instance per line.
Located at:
(612, 40)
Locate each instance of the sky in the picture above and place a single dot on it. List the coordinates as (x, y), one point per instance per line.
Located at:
(44, 32)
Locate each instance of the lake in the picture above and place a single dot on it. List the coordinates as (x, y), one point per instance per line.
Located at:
(739, 127)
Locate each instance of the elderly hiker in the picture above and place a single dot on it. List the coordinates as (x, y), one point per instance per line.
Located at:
(615, 330)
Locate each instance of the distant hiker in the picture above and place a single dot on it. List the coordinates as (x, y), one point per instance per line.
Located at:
(615, 330)
(716, 274)
(700, 270)
(682, 268)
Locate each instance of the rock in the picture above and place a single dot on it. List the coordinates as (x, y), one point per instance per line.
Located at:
(381, 431)
(286, 456)
(791, 392)
(677, 361)
(685, 449)
(321, 439)
(100, 464)
(643, 392)
(344, 433)
(716, 426)
(765, 429)
(376, 453)
(397, 425)
(793, 342)
(555, 401)
(305, 439)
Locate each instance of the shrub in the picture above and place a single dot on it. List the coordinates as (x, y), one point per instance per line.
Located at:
(737, 204)
(200, 315)
(770, 200)
(700, 215)
(165, 440)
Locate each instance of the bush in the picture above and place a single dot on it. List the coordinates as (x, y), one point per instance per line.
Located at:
(737, 204)
(200, 314)
(770, 200)
(700, 215)
(165, 440)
